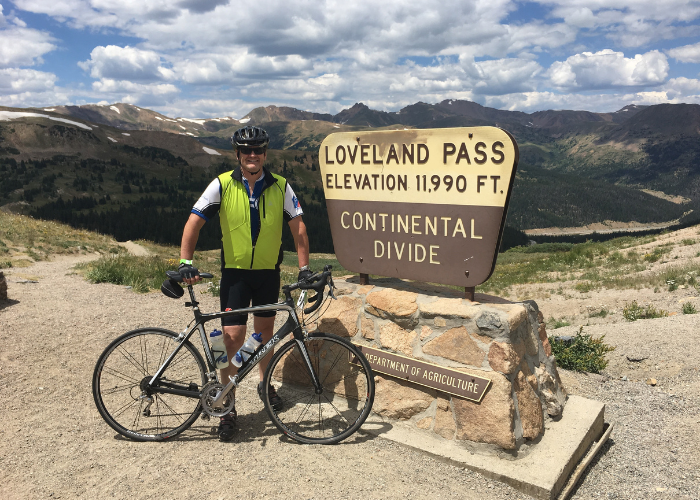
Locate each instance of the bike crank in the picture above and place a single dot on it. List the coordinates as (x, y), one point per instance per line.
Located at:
(209, 394)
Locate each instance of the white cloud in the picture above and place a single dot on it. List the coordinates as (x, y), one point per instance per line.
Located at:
(125, 63)
(218, 69)
(505, 76)
(108, 85)
(14, 80)
(682, 90)
(23, 46)
(609, 69)
(686, 53)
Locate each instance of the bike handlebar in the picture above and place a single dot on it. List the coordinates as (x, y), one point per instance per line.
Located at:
(316, 282)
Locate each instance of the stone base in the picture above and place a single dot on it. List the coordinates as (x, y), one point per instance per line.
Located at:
(540, 471)
(489, 338)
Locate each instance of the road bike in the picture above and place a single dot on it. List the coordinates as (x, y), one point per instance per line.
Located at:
(152, 384)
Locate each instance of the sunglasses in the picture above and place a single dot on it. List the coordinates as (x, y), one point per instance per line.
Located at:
(248, 150)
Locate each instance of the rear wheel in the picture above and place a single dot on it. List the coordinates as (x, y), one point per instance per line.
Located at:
(119, 385)
(341, 404)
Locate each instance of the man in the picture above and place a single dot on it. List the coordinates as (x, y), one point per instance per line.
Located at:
(252, 204)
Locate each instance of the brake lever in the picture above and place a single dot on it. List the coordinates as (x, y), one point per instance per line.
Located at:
(331, 286)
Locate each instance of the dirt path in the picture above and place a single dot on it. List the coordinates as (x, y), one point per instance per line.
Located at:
(135, 248)
(53, 444)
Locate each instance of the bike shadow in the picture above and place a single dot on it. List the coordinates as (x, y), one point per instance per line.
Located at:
(7, 303)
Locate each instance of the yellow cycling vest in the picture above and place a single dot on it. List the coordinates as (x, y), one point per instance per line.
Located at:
(234, 215)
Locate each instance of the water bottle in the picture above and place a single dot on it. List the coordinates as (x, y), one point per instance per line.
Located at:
(218, 349)
(247, 349)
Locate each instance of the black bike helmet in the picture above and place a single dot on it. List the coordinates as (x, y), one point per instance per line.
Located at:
(250, 136)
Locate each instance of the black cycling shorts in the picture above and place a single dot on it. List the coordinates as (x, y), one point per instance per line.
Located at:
(241, 286)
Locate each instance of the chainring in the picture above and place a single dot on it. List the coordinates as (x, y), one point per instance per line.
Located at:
(209, 393)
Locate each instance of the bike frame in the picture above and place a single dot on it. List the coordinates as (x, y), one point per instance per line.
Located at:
(292, 325)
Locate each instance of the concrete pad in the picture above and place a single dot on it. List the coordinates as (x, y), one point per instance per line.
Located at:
(541, 471)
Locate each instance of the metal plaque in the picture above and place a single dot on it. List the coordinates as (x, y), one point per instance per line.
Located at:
(428, 205)
(460, 384)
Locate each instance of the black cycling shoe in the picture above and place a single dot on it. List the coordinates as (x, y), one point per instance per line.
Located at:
(275, 399)
(228, 425)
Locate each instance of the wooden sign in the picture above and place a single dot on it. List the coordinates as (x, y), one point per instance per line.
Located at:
(427, 205)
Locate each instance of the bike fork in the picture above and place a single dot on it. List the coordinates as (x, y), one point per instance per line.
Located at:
(309, 366)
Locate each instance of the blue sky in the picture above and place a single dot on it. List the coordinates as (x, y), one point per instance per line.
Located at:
(210, 58)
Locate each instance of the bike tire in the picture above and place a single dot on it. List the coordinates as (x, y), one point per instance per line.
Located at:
(118, 380)
(347, 390)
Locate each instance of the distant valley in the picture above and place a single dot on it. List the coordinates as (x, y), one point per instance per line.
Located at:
(134, 173)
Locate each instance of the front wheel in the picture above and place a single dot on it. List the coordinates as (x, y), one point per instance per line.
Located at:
(329, 413)
(121, 393)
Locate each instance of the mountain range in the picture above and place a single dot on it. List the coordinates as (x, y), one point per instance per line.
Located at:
(576, 167)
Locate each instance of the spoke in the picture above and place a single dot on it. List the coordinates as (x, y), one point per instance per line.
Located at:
(301, 396)
(182, 356)
(144, 352)
(123, 408)
(320, 414)
(336, 410)
(118, 374)
(171, 410)
(301, 363)
(163, 352)
(303, 412)
(131, 359)
(158, 422)
(335, 362)
(117, 388)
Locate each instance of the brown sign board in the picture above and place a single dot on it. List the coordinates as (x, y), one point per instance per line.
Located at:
(443, 379)
(421, 204)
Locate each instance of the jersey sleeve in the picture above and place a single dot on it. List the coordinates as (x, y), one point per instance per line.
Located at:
(208, 204)
(292, 208)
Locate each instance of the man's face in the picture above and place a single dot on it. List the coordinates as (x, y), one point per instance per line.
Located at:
(250, 160)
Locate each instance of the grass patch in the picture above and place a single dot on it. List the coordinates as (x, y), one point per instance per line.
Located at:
(656, 254)
(24, 236)
(688, 241)
(600, 314)
(689, 308)
(582, 354)
(141, 273)
(585, 286)
(558, 323)
(633, 312)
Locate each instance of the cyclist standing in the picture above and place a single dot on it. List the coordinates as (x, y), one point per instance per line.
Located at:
(252, 203)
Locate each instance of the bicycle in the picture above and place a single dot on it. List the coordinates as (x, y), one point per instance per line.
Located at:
(151, 384)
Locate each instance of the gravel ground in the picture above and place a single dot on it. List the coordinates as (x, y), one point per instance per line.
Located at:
(53, 443)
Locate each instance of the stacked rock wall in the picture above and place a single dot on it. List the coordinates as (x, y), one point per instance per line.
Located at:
(491, 338)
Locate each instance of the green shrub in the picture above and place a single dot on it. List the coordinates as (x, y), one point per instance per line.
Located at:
(688, 241)
(689, 308)
(584, 287)
(5, 264)
(582, 354)
(633, 312)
